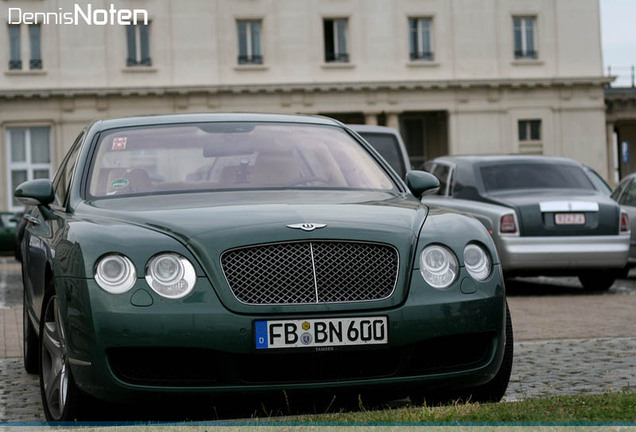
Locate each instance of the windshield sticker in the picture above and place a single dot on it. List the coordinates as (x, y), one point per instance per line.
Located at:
(119, 143)
(119, 183)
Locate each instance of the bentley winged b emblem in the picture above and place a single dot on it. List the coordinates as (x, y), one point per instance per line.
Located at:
(307, 226)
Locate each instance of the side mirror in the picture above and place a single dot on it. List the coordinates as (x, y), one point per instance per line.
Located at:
(421, 183)
(35, 192)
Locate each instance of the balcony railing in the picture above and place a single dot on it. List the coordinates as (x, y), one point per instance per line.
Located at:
(15, 64)
(624, 76)
(336, 57)
(526, 54)
(250, 59)
(35, 64)
(142, 62)
(427, 55)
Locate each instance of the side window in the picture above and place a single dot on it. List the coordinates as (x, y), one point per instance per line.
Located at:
(62, 180)
(628, 197)
(442, 171)
(619, 190)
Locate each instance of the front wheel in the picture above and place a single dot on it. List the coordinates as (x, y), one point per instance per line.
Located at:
(61, 398)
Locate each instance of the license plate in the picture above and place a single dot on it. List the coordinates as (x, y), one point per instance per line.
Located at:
(316, 333)
(569, 218)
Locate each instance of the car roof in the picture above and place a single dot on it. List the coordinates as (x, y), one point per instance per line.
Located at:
(371, 128)
(483, 159)
(154, 120)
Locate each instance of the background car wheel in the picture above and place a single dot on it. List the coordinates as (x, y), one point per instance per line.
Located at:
(601, 281)
(29, 342)
(61, 398)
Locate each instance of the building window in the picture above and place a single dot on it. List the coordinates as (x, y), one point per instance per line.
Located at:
(28, 156)
(336, 40)
(420, 39)
(15, 47)
(249, 42)
(525, 37)
(138, 43)
(530, 137)
(15, 58)
(34, 42)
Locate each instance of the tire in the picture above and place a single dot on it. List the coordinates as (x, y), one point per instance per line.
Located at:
(600, 281)
(30, 342)
(495, 389)
(492, 391)
(61, 399)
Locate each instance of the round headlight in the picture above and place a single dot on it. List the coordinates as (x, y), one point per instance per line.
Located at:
(477, 262)
(115, 274)
(170, 275)
(438, 266)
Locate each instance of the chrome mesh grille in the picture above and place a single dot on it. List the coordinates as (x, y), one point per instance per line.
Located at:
(311, 272)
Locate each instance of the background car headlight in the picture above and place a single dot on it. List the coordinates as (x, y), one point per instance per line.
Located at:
(115, 274)
(438, 266)
(170, 275)
(477, 262)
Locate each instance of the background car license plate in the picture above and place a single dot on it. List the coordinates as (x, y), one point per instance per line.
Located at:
(569, 218)
(321, 332)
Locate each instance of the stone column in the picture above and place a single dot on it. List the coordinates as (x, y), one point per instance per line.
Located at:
(613, 157)
(393, 120)
(371, 118)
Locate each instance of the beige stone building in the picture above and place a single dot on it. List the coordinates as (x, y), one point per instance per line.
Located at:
(455, 76)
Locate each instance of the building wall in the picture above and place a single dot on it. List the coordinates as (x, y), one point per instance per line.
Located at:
(473, 79)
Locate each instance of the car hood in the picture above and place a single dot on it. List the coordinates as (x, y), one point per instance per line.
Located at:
(535, 209)
(209, 224)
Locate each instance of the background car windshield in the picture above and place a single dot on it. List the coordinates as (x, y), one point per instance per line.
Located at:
(220, 156)
(534, 176)
(388, 147)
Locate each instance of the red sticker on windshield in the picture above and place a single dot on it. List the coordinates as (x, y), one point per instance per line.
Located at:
(119, 143)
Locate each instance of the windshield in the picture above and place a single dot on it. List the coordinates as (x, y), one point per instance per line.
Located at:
(534, 176)
(222, 156)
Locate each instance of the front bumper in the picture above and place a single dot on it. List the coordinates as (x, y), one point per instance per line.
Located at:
(199, 333)
(563, 253)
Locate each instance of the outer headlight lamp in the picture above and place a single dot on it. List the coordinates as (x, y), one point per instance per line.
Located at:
(115, 273)
(477, 261)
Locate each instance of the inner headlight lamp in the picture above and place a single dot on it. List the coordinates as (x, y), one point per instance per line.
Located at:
(170, 275)
(438, 266)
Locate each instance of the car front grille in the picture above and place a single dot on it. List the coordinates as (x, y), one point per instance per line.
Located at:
(311, 272)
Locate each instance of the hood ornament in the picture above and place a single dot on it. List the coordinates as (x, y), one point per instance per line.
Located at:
(307, 226)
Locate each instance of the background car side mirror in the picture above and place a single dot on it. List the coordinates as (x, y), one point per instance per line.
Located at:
(35, 192)
(421, 183)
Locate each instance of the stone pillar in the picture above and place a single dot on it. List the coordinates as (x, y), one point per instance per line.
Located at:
(393, 120)
(613, 158)
(371, 118)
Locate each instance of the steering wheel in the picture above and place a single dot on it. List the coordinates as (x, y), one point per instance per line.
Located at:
(306, 180)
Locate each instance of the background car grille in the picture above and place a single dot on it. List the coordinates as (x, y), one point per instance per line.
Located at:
(311, 272)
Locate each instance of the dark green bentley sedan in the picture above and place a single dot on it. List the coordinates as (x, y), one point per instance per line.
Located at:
(231, 254)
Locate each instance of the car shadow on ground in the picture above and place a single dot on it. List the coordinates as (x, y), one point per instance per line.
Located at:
(562, 286)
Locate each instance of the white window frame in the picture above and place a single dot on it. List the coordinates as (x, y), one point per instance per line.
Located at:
(336, 40)
(419, 20)
(26, 165)
(529, 145)
(524, 38)
(249, 23)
